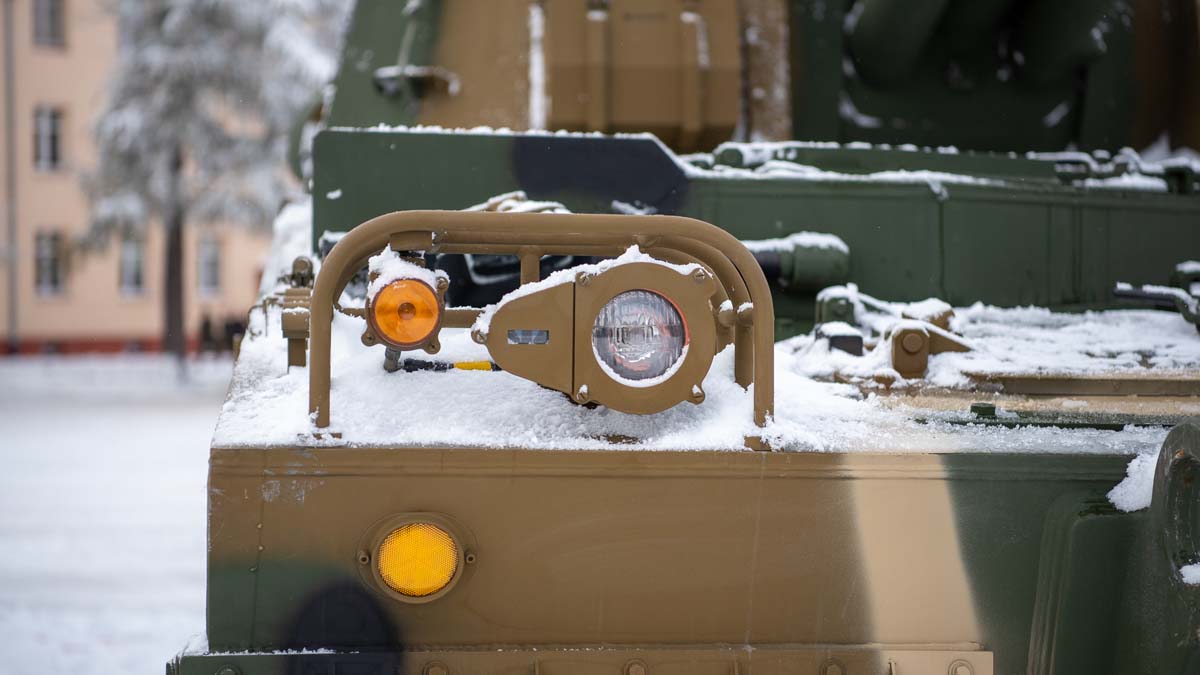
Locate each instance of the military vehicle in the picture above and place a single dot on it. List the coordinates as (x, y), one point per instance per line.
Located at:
(643, 409)
(604, 472)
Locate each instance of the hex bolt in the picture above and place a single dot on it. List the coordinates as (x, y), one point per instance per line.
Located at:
(911, 342)
(700, 276)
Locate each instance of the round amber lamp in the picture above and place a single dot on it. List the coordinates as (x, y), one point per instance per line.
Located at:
(405, 313)
(417, 559)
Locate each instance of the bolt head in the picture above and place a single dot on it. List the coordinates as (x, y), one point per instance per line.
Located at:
(912, 342)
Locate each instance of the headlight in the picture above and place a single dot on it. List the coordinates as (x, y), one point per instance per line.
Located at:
(405, 313)
(417, 559)
(639, 335)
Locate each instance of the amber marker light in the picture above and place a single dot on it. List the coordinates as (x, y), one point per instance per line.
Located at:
(417, 559)
(405, 313)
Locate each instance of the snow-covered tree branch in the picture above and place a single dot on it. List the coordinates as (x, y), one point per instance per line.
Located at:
(195, 128)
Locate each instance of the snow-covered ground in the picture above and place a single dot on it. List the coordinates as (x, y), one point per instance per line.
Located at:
(103, 466)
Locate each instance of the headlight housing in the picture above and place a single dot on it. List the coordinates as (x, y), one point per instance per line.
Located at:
(637, 337)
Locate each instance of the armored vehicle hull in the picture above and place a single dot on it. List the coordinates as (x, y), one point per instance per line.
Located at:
(700, 562)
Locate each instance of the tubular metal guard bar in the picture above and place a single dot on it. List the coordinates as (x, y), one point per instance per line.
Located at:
(529, 234)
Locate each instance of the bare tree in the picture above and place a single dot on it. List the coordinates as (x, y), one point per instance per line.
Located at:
(195, 128)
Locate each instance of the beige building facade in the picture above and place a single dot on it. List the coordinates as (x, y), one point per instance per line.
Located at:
(56, 58)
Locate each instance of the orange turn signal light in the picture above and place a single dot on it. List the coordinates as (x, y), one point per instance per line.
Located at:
(418, 559)
(405, 313)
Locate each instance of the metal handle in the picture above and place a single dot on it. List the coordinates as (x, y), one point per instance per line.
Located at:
(513, 233)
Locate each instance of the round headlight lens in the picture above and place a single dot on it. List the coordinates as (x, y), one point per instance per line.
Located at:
(639, 336)
(417, 559)
(405, 312)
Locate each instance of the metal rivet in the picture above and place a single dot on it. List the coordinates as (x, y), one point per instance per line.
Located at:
(636, 667)
(228, 670)
(960, 667)
(436, 668)
(912, 342)
(833, 667)
(480, 337)
(700, 275)
(583, 279)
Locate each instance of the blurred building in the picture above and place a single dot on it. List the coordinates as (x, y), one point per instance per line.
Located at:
(56, 58)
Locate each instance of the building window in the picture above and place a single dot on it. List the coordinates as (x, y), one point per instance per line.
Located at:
(47, 138)
(132, 261)
(49, 27)
(209, 265)
(48, 265)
